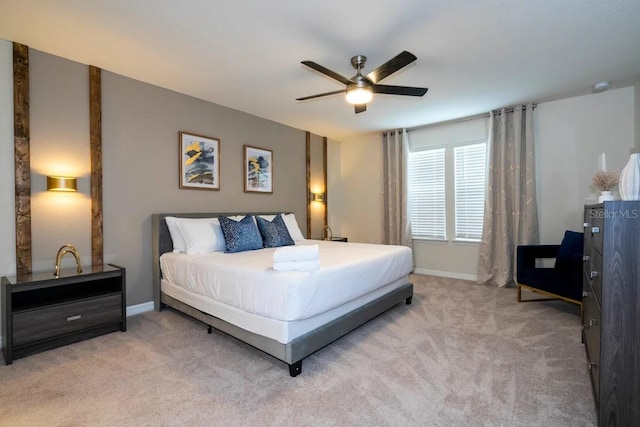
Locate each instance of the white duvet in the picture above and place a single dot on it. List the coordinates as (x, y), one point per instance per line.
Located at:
(248, 282)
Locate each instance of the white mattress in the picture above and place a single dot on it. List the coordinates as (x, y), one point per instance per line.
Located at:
(246, 281)
(278, 330)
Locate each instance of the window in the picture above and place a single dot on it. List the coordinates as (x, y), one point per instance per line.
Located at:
(455, 173)
(469, 189)
(427, 194)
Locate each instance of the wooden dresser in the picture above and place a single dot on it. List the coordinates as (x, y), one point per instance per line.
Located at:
(611, 309)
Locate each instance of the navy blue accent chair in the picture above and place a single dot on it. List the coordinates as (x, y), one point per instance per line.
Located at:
(562, 281)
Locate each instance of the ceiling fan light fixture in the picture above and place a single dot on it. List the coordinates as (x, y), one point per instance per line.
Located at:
(359, 95)
(359, 89)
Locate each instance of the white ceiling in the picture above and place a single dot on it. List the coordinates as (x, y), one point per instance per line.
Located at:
(473, 55)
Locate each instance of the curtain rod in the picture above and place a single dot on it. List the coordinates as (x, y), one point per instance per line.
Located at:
(464, 119)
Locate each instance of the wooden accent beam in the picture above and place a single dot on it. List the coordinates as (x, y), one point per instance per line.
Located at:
(308, 137)
(326, 188)
(22, 154)
(95, 126)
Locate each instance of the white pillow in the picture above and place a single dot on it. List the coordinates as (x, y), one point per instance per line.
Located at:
(268, 217)
(202, 237)
(179, 243)
(292, 226)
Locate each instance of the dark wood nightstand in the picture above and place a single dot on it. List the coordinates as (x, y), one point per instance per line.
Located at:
(333, 239)
(41, 312)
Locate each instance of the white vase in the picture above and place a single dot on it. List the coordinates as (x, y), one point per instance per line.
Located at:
(630, 179)
(605, 196)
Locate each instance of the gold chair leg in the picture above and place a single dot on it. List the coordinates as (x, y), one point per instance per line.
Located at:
(551, 297)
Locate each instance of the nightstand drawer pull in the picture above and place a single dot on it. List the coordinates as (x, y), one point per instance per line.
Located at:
(595, 230)
(76, 317)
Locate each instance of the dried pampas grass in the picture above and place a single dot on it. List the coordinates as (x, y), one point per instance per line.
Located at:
(606, 181)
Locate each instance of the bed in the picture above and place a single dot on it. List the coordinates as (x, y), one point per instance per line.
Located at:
(286, 314)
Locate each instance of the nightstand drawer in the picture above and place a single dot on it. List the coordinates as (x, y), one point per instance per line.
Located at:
(34, 325)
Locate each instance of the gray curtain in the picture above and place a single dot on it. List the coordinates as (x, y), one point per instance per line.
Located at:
(395, 155)
(511, 209)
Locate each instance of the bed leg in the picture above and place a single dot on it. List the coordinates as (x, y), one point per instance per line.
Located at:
(209, 329)
(295, 369)
(408, 300)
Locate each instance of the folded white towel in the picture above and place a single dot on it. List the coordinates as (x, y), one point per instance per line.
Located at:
(296, 265)
(296, 253)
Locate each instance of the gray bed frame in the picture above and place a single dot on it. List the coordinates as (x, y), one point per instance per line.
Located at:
(291, 353)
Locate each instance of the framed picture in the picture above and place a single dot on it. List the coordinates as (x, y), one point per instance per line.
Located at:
(199, 162)
(258, 170)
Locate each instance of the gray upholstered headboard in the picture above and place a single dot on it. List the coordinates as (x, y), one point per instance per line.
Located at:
(161, 241)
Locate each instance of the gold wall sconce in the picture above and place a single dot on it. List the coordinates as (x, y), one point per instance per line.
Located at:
(62, 183)
(318, 197)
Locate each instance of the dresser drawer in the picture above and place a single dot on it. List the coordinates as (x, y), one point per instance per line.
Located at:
(591, 334)
(38, 324)
(596, 221)
(595, 275)
(588, 213)
(587, 265)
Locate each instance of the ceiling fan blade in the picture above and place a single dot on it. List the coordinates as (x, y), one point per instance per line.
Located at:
(327, 72)
(360, 108)
(304, 98)
(399, 90)
(394, 64)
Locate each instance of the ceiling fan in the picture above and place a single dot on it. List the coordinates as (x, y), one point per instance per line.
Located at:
(360, 89)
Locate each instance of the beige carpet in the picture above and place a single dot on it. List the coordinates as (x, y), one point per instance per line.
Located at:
(462, 354)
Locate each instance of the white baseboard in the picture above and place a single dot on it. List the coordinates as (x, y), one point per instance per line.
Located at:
(132, 310)
(449, 274)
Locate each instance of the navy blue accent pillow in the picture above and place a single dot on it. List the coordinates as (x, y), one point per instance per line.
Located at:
(570, 250)
(241, 235)
(274, 233)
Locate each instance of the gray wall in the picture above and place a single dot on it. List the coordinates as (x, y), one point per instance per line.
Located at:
(355, 203)
(7, 180)
(140, 156)
(59, 124)
(335, 201)
(316, 184)
(637, 113)
(140, 125)
(570, 136)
